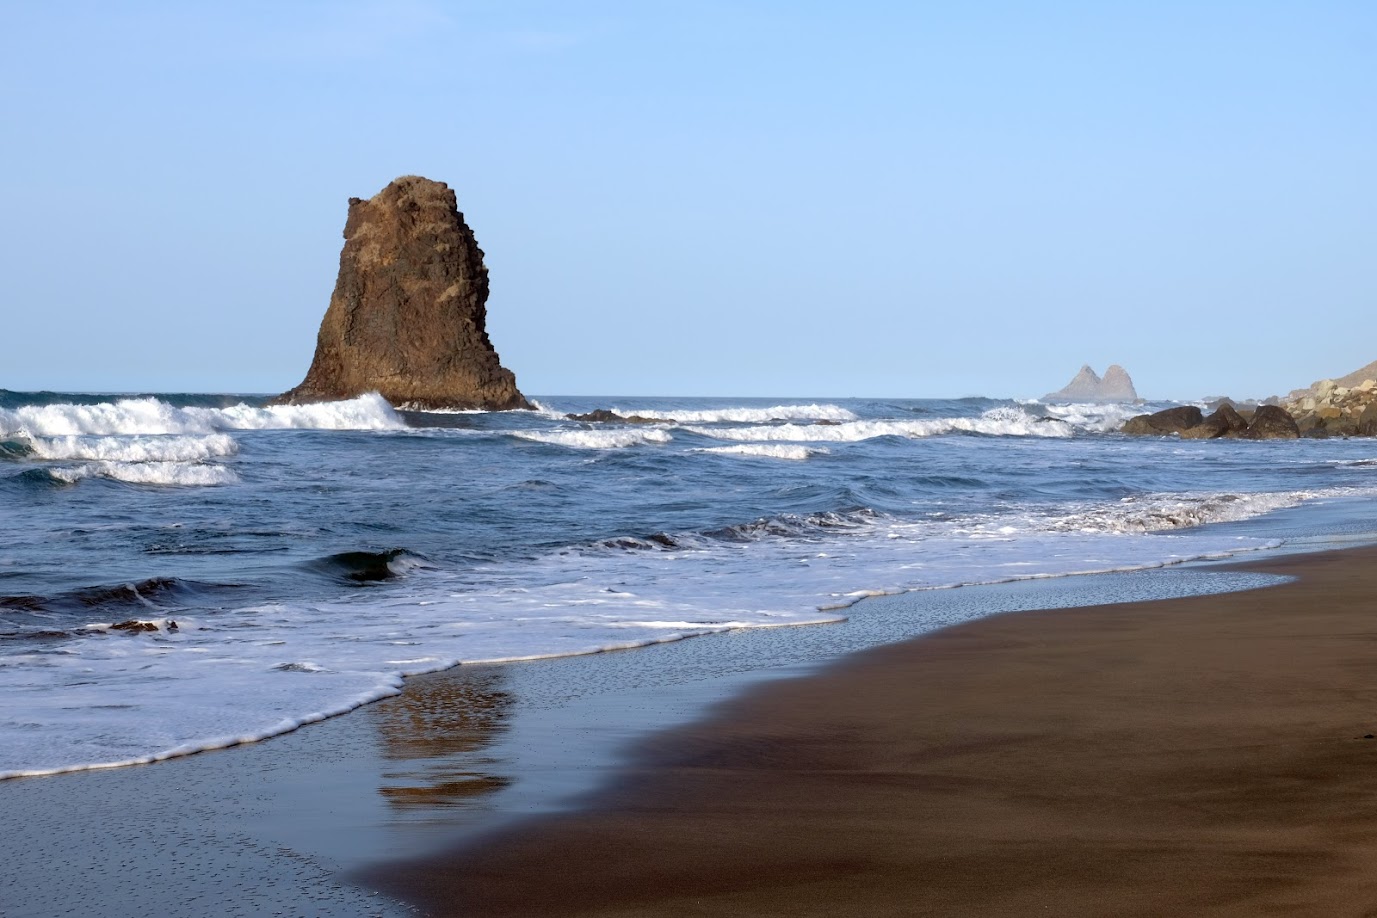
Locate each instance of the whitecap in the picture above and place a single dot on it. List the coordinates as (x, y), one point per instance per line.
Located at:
(174, 474)
(151, 416)
(596, 439)
(791, 451)
(135, 449)
(745, 415)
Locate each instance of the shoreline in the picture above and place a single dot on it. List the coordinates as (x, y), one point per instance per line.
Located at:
(301, 820)
(1200, 755)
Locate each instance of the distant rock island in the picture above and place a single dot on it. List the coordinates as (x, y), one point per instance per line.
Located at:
(1087, 386)
(409, 312)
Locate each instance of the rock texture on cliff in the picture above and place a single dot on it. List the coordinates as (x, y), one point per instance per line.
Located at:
(1337, 407)
(1087, 386)
(407, 318)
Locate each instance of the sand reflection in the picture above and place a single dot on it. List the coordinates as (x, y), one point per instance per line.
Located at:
(436, 737)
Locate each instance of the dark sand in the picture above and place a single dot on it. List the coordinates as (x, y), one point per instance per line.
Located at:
(1200, 756)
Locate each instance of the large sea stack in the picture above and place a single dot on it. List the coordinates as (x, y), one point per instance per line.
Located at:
(407, 316)
(1087, 386)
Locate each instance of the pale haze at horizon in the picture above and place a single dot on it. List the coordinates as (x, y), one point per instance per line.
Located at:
(756, 199)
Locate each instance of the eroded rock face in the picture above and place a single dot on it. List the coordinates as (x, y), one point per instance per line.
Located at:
(408, 315)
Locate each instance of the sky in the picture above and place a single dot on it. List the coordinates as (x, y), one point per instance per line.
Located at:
(713, 198)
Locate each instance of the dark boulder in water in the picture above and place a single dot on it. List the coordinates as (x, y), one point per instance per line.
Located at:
(409, 312)
(1267, 423)
(1271, 423)
(1225, 422)
(1161, 423)
(134, 625)
(604, 416)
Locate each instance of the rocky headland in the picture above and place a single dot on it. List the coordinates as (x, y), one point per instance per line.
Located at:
(1087, 386)
(408, 315)
(1344, 407)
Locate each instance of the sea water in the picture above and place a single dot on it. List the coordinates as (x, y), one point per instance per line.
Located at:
(186, 572)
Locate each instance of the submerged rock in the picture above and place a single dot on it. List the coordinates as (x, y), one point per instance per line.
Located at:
(134, 625)
(604, 416)
(1087, 386)
(408, 315)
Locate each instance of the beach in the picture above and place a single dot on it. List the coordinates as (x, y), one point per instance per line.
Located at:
(347, 641)
(1209, 755)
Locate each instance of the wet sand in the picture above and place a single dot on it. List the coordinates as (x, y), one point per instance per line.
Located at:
(1204, 756)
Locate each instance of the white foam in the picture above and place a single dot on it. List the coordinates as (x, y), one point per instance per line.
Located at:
(135, 449)
(789, 451)
(249, 673)
(175, 474)
(1094, 418)
(1003, 421)
(1163, 512)
(745, 415)
(617, 438)
(151, 416)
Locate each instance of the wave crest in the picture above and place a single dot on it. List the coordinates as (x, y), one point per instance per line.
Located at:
(596, 439)
(790, 451)
(172, 474)
(152, 416)
(1004, 421)
(746, 415)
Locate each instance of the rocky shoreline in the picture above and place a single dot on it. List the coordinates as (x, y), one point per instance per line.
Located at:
(1327, 409)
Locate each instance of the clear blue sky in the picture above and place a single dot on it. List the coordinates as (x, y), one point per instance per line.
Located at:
(754, 198)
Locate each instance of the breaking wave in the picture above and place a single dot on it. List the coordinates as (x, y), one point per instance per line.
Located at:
(791, 451)
(366, 566)
(173, 474)
(1165, 512)
(596, 439)
(1004, 421)
(151, 416)
(746, 415)
(134, 449)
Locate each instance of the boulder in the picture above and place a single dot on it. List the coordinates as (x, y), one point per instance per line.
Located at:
(1271, 423)
(133, 625)
(1234, 421)
(1161, 423)
(604, 416)
(1225, 422)
(408, 315)
(1367, 421)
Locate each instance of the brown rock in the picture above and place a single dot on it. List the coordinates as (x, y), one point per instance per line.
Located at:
(1271, 423)
(1367, 421)
(134, 625)
(1225, 422)
(604, 416)
(1169, 421)
(1229, 416)
(407, 318)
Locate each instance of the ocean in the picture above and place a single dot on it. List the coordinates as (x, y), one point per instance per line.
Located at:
(180, 573)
